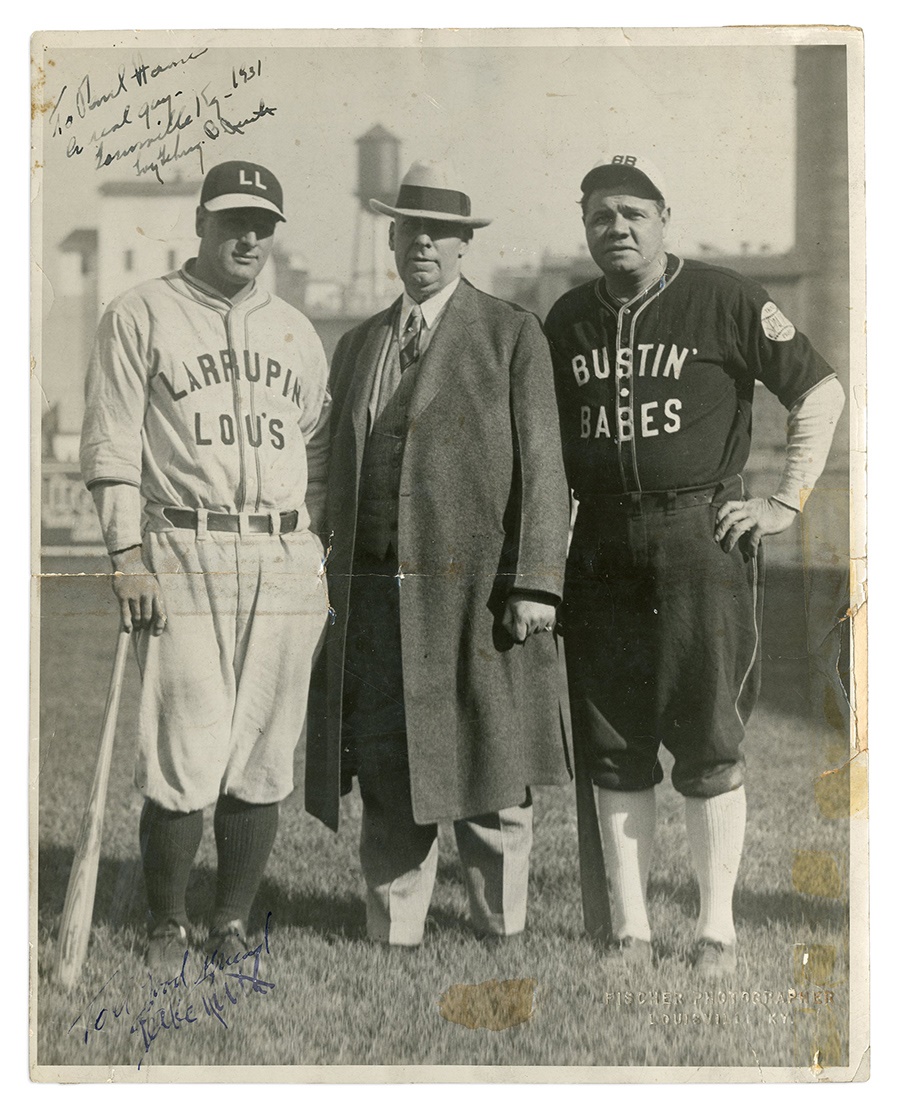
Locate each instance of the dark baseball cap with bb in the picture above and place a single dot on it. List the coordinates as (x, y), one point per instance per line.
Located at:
(634, 171)
(242, 185)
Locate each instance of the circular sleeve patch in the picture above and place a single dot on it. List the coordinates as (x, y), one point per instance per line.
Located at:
(775, 325)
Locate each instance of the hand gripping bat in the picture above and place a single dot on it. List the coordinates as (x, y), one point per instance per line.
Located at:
(79, 908)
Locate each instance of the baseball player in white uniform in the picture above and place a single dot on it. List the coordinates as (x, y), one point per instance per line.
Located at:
(205, 448)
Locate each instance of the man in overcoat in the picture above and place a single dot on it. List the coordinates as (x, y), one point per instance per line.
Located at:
(448, 517)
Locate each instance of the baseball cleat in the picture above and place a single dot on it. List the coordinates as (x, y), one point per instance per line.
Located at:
(630, 952)
(712, 958)
(226, 942)
(166, 944)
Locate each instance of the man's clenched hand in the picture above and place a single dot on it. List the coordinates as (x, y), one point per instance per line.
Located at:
(524, 616)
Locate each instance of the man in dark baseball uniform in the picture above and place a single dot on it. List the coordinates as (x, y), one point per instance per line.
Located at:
(655, 364)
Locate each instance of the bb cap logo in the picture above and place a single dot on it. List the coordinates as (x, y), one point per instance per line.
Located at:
(775, 325)
(639, 172)
(242, 185)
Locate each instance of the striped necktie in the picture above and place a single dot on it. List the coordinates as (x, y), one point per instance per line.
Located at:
(409, 342)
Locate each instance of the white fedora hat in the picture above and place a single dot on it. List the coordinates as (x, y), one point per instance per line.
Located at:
(426, 192)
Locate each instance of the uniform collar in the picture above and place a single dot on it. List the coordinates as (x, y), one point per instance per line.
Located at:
(246, 292)
(673, 266)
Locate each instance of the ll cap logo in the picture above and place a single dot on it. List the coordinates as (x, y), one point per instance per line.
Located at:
(255, 184)
(241, 185)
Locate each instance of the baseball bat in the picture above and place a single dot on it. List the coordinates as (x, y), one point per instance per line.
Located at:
(591, 863)
(79, 907)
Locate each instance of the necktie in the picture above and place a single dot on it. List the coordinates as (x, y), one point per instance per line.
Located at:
(409, 342)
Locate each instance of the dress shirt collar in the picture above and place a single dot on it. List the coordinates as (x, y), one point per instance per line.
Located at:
(432, 307)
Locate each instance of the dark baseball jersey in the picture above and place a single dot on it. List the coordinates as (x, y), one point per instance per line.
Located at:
(657, 394)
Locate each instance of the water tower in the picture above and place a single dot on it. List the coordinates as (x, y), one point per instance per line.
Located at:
(378, 176)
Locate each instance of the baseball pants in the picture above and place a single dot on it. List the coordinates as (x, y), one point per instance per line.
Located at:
(224, 687)
(661, 631)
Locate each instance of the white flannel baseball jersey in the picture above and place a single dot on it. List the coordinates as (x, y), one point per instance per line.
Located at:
(206, 403)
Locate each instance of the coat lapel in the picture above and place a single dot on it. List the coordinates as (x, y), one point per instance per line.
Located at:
(453, 332)
(364, 375)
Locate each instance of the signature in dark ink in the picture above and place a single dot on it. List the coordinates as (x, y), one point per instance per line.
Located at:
(165, 156)
(207, 987)
(215, 129)
(166, 127)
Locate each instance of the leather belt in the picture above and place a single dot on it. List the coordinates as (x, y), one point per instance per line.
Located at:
(275, 523)
(639, 502)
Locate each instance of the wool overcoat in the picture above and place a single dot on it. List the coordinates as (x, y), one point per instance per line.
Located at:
(483, 509)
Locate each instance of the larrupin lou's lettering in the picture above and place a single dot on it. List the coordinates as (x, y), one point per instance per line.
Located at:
(256, 369)
(225, 430)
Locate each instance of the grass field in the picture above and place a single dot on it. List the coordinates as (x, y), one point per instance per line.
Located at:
(335, 999)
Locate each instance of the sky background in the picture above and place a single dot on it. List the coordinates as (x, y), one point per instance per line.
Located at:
(521, 125)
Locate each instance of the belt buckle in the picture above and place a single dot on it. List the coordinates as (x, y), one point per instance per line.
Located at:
(273, 530)
(202, 531)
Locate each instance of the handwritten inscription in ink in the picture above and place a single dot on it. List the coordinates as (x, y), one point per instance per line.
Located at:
(208, 989)
(138, 119)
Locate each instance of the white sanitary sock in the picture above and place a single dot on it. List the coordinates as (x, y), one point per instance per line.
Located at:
(627, 827)
(715, 832)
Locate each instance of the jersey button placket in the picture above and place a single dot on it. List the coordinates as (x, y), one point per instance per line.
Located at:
(625, 401)
(237, 405)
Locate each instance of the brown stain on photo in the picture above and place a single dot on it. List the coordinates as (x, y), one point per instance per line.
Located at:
(816, 873)
(38, 105)
(489, 1005)
(824, 1050)
(843, 791)
(814, 963)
